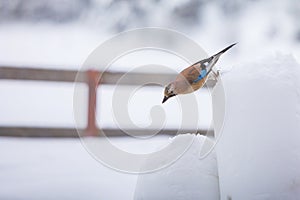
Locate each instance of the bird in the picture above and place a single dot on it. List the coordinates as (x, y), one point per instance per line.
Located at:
(193, 77)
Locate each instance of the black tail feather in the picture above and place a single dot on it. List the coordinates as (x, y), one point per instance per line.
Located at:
(224, 50)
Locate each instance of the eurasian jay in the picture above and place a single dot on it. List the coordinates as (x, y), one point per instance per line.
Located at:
(193, 77)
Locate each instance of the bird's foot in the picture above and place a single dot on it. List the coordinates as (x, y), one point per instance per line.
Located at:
(215, 74)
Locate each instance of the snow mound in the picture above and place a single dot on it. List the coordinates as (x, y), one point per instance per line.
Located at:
(188, 178)
(259, 148)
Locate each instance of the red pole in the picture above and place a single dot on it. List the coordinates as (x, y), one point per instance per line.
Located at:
(93, 76)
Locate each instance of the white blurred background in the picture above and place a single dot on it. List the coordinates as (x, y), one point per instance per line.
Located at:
(61, 34)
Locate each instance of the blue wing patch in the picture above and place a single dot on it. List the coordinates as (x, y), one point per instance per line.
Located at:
(203, 73)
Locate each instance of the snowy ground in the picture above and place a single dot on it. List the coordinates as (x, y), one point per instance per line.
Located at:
(63, 169)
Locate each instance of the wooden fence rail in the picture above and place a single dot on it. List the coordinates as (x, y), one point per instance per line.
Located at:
(111, 78)
(90, 77)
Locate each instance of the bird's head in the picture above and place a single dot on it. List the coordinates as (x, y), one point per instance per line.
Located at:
(169, 92)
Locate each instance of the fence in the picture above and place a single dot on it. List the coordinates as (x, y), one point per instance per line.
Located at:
(89, 77)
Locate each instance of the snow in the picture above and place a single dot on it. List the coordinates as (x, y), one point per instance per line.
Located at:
(256, 157)
(258, 152)
(188, 178)
(257, 148)
(63, 169)
(37, 110)
(46, 45)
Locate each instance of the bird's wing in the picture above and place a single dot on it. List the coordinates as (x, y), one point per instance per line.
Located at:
(205, 64)
(201, 76)
(194, 73)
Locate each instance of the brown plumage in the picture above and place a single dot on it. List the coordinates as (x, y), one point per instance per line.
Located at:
(193, 77)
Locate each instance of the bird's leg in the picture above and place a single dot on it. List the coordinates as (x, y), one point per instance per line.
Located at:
(215, 74)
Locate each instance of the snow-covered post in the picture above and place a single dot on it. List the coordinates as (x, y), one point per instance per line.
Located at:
(188, 178)
(259, 148)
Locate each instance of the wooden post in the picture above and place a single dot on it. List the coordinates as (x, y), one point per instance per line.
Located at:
(93, 76)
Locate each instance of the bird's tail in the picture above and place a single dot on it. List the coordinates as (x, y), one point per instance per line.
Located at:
(223, 51)
(214, 59)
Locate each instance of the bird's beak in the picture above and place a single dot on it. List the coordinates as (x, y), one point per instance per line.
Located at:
(165, 99)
